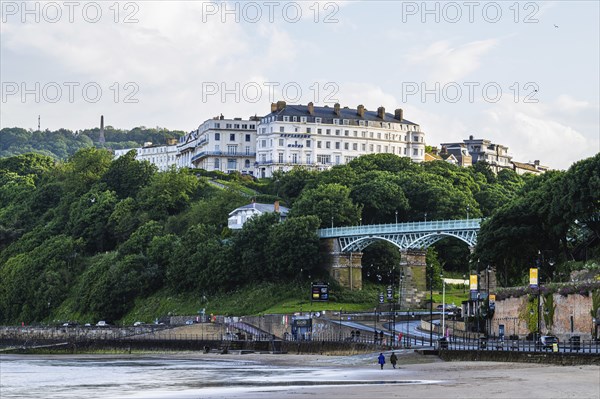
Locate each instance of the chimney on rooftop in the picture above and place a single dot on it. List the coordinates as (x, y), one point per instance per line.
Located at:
(471, 137)
(273, 107)
(336, 109)
(381, 112)
(360, 110)
(399, 114)
(311, 108)
(280, 105)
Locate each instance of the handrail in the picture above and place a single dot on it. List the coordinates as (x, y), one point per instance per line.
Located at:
(408, 227)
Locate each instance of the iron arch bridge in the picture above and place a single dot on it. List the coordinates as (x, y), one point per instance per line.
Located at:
(412, 235)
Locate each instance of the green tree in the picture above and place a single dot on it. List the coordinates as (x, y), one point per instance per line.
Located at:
(126, 176)
(329, 202)
(285, 258)
(381, 197)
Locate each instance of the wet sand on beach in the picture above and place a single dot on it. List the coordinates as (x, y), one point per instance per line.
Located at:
(359, 376)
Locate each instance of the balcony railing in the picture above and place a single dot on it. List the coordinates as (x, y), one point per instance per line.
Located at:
(223, 154)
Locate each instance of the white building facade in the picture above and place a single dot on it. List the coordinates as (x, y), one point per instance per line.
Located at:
(321, 137)
(163, 156)
(219, 144)
(241, 215)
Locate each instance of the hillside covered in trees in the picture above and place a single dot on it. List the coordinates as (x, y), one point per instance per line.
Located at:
(93, 236)
(62, 143)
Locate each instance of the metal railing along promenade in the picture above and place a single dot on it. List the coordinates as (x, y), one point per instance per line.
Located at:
(482, 344)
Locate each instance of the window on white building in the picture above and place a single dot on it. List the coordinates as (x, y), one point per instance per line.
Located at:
(355, 146)
(327, 131)
(327, 144)
(324, 159)
(286, 118)
(281, 143)
(346, 146)
(318, 144)
(248, 137)
(281, 129)
(231, 164)
(294, 119)
(217, 136)
(263, 143)
(303, 119)
(308, 160)
(308, 130)
(319, 131)
(217, 164)
(247, 163)
(337, 145)
(294, 158)
(317, 120)
(228, 125)
(218, 125)
(337, 132)
(363, 147)
(415, 151)
(371, 147)
(307, 143)
(280, 157)
(232, 137)
(337, 159)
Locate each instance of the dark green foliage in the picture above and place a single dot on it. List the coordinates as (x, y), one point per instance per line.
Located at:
(331, 203)
(63, 143)
(95, 235)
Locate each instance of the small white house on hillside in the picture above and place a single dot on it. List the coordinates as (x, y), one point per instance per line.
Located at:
(239, 216)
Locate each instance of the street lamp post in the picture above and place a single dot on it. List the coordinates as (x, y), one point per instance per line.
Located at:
(467, 212)
(539, 286)
(396, 217)
(340, 324)
(489, 320)
(431, 306)
(443, 305)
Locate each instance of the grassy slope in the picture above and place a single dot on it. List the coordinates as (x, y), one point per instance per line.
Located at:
(264, 298)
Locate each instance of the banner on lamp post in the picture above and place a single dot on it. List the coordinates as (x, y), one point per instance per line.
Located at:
(473, 282)
(473, 286)
(533, 277)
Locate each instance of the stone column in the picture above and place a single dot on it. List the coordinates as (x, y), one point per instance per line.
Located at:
(344, 267)
(412, 263)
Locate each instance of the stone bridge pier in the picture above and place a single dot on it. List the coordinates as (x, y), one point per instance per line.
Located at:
(344, 267)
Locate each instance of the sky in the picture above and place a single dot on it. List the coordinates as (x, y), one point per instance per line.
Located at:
(522, 74)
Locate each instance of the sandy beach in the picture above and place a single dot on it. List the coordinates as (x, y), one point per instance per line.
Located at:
(359, 376)
(434, 378)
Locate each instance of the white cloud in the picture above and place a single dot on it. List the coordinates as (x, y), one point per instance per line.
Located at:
(450, 63)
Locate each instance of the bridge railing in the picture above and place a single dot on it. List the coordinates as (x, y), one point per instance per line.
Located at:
(409, 227)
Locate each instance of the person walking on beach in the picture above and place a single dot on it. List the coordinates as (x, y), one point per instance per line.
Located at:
(393, 359)
(381, 360)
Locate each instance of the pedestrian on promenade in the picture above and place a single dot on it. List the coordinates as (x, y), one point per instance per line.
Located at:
(381, 360)
(393, 359)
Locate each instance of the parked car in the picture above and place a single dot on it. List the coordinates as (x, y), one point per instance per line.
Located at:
(102, 323)
(189, 322)
(547, 341)
(138, 323)
(70, 324)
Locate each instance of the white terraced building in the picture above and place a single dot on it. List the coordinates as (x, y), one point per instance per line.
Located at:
(226, 145)
(320, 137)
(163, 156)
